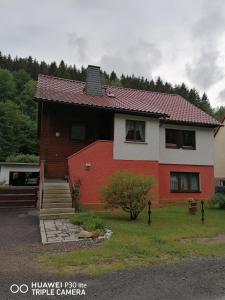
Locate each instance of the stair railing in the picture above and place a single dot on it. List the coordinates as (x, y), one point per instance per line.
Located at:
(41, 182)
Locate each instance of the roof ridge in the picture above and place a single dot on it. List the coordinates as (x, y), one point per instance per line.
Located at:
(141, 90)
(60, 78)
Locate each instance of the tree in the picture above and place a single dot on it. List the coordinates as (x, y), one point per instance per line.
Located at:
(26, 100)
(21, 77)
(129, 191)
(205, 104)
(219, 113)
(7, 85)
(18, 133)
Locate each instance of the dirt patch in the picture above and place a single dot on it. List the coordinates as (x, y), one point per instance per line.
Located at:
(219, 239)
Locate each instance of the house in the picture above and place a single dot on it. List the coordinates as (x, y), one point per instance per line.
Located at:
(219, 145)
(88, 131)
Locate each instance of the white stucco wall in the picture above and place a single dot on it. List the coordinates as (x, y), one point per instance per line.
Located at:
(154, 146)
(219, 146)
(6, 169)
(136, 151)
(202, 155)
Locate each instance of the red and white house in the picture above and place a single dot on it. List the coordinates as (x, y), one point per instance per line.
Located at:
(88, 132)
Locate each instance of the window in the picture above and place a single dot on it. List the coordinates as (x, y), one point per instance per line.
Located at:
(184, 182)
(177, 139)
(78, 132)
(135, 131)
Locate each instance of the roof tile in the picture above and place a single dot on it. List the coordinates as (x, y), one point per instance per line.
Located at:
(175, 107)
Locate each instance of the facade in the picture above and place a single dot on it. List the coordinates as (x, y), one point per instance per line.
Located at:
(87, 132)
(219, 148)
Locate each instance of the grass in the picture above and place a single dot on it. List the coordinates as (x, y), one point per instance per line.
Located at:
(135, 244)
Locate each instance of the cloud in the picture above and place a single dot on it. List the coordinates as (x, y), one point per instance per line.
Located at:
(140, 58)
(205, 68)
(79, 46)
(221, 96)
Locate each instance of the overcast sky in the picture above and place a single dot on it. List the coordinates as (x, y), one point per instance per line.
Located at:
(178, 40)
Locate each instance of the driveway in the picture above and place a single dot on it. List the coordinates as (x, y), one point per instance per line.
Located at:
(196, 279)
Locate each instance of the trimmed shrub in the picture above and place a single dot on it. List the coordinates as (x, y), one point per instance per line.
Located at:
(220, 189)
(23, 158)
(218, 201)
(128, 191)
(88, 221)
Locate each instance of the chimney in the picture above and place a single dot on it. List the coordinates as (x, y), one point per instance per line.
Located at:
(93, 85)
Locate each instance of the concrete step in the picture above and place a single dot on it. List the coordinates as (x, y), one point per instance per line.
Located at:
(52, 192)
(57, 204)
(57, 199)
(56, 185)
(55, 216)
(55, 194)
(60, 210)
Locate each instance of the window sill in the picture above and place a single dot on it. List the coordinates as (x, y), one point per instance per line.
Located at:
(135, 142)
(175, 148)
(185, 192)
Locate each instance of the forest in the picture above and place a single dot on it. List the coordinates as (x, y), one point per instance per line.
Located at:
(18, 110)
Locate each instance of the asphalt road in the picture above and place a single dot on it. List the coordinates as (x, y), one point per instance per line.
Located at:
(198, 278)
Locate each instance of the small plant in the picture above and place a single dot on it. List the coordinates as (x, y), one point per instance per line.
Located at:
(88, 221)
(76, 194)
(129, 191)
(218, 201)
(2, 183)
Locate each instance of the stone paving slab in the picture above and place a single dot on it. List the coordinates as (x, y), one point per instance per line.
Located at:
(61, 230)
(58, 231)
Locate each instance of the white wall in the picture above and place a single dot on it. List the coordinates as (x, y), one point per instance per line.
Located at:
(219, 146)
(131, 150)
(154, 146)
(6, 169)
(203, 155)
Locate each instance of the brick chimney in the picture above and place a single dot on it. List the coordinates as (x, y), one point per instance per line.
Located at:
(93, 85)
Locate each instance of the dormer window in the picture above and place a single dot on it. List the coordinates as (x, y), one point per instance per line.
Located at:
(135, 131)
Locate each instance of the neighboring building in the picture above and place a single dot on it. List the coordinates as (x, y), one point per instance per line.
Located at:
(19, 174)
(87, 132)
(219, 145)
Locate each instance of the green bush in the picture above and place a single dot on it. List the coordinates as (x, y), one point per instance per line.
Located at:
(23, 158)
(88, 221)
(129, 191)
(218, 201)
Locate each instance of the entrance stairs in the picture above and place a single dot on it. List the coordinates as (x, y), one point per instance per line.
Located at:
(57, 200)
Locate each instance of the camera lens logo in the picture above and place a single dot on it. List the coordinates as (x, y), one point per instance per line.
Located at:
(15, 288)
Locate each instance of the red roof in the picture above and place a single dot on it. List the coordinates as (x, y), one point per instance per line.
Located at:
(171, 106)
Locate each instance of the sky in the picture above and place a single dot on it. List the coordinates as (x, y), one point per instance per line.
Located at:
(178, 40)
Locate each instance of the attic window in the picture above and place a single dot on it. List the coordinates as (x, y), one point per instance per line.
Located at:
(135, 131)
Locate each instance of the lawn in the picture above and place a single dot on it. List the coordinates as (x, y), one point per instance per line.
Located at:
(136, 244)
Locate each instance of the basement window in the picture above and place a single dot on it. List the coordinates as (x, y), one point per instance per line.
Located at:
(181, 182)
(135, 131)
(78, 132)
(180, 139)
